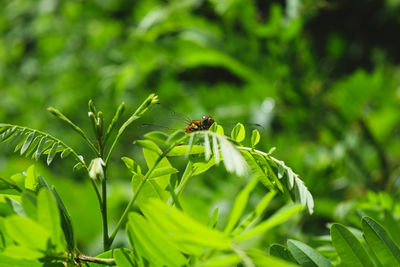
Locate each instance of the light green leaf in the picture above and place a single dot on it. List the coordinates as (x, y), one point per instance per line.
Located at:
(40, 147)
(177, 136)
(162, 171)
(31, 180)
(157, 137)
(27, 232)
(255, 138)
(15, 206)
(27, 142)
(277, 218)
(350, 250)
(306, 255)
(184, 150)
(66, 222)
(200, 167)
(221, 261)
(49, 217)
(240, 204)
(188, 234)
(132, 165)
(149, 145)
(238, 133)
(149, 190)
(19, 254)
(124, 258)
(383, 246)
(52, 153)
(151, 243)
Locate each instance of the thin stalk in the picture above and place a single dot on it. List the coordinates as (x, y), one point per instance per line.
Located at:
(133, 199)
(106, 244)
(138, 189)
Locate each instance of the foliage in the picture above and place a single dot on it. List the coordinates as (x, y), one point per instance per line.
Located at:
(325, 91)
(38, 224)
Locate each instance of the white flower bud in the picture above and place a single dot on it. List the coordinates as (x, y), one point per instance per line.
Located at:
(96, 169)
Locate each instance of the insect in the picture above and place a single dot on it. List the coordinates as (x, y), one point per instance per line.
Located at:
(199, 125)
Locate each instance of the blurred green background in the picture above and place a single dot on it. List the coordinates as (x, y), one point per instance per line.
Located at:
(321, 77)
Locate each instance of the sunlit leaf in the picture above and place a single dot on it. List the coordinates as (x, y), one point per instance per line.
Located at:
(238, 133)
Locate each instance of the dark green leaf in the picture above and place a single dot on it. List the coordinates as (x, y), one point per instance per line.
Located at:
(307, 256)
(379, 241)
(350, 250)
(281, 252)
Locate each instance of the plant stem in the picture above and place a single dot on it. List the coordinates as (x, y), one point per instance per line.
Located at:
(139, 188)
(106, 243)
(135, 194)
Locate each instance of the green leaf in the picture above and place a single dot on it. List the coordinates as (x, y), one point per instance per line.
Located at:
(379, 241)
(186, 233)
(8, 134)
(151, 243)
(214, 218)
(350, 250)
(157, 137)
(17, 261)
(200, 167)
(162, 171)
(255, 138)
(306, 255)
(238, 133)
(281, 252)
(27, 232)
(151, 157)
(393, 227)
(31, 180)
(277, 218)
(261, 259)
(124, 258)
(132, 165)
(150, 145)
(15, 206)
(49, 217)
(255, 214)
(150, 189)
(65, 153)
(52, 153)
(27, 142)
(176, 137)
(66, 223)
(30, 205)
(40, 147)
(186, 150)
(21, 253)
(221, 261)
(240, 204)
